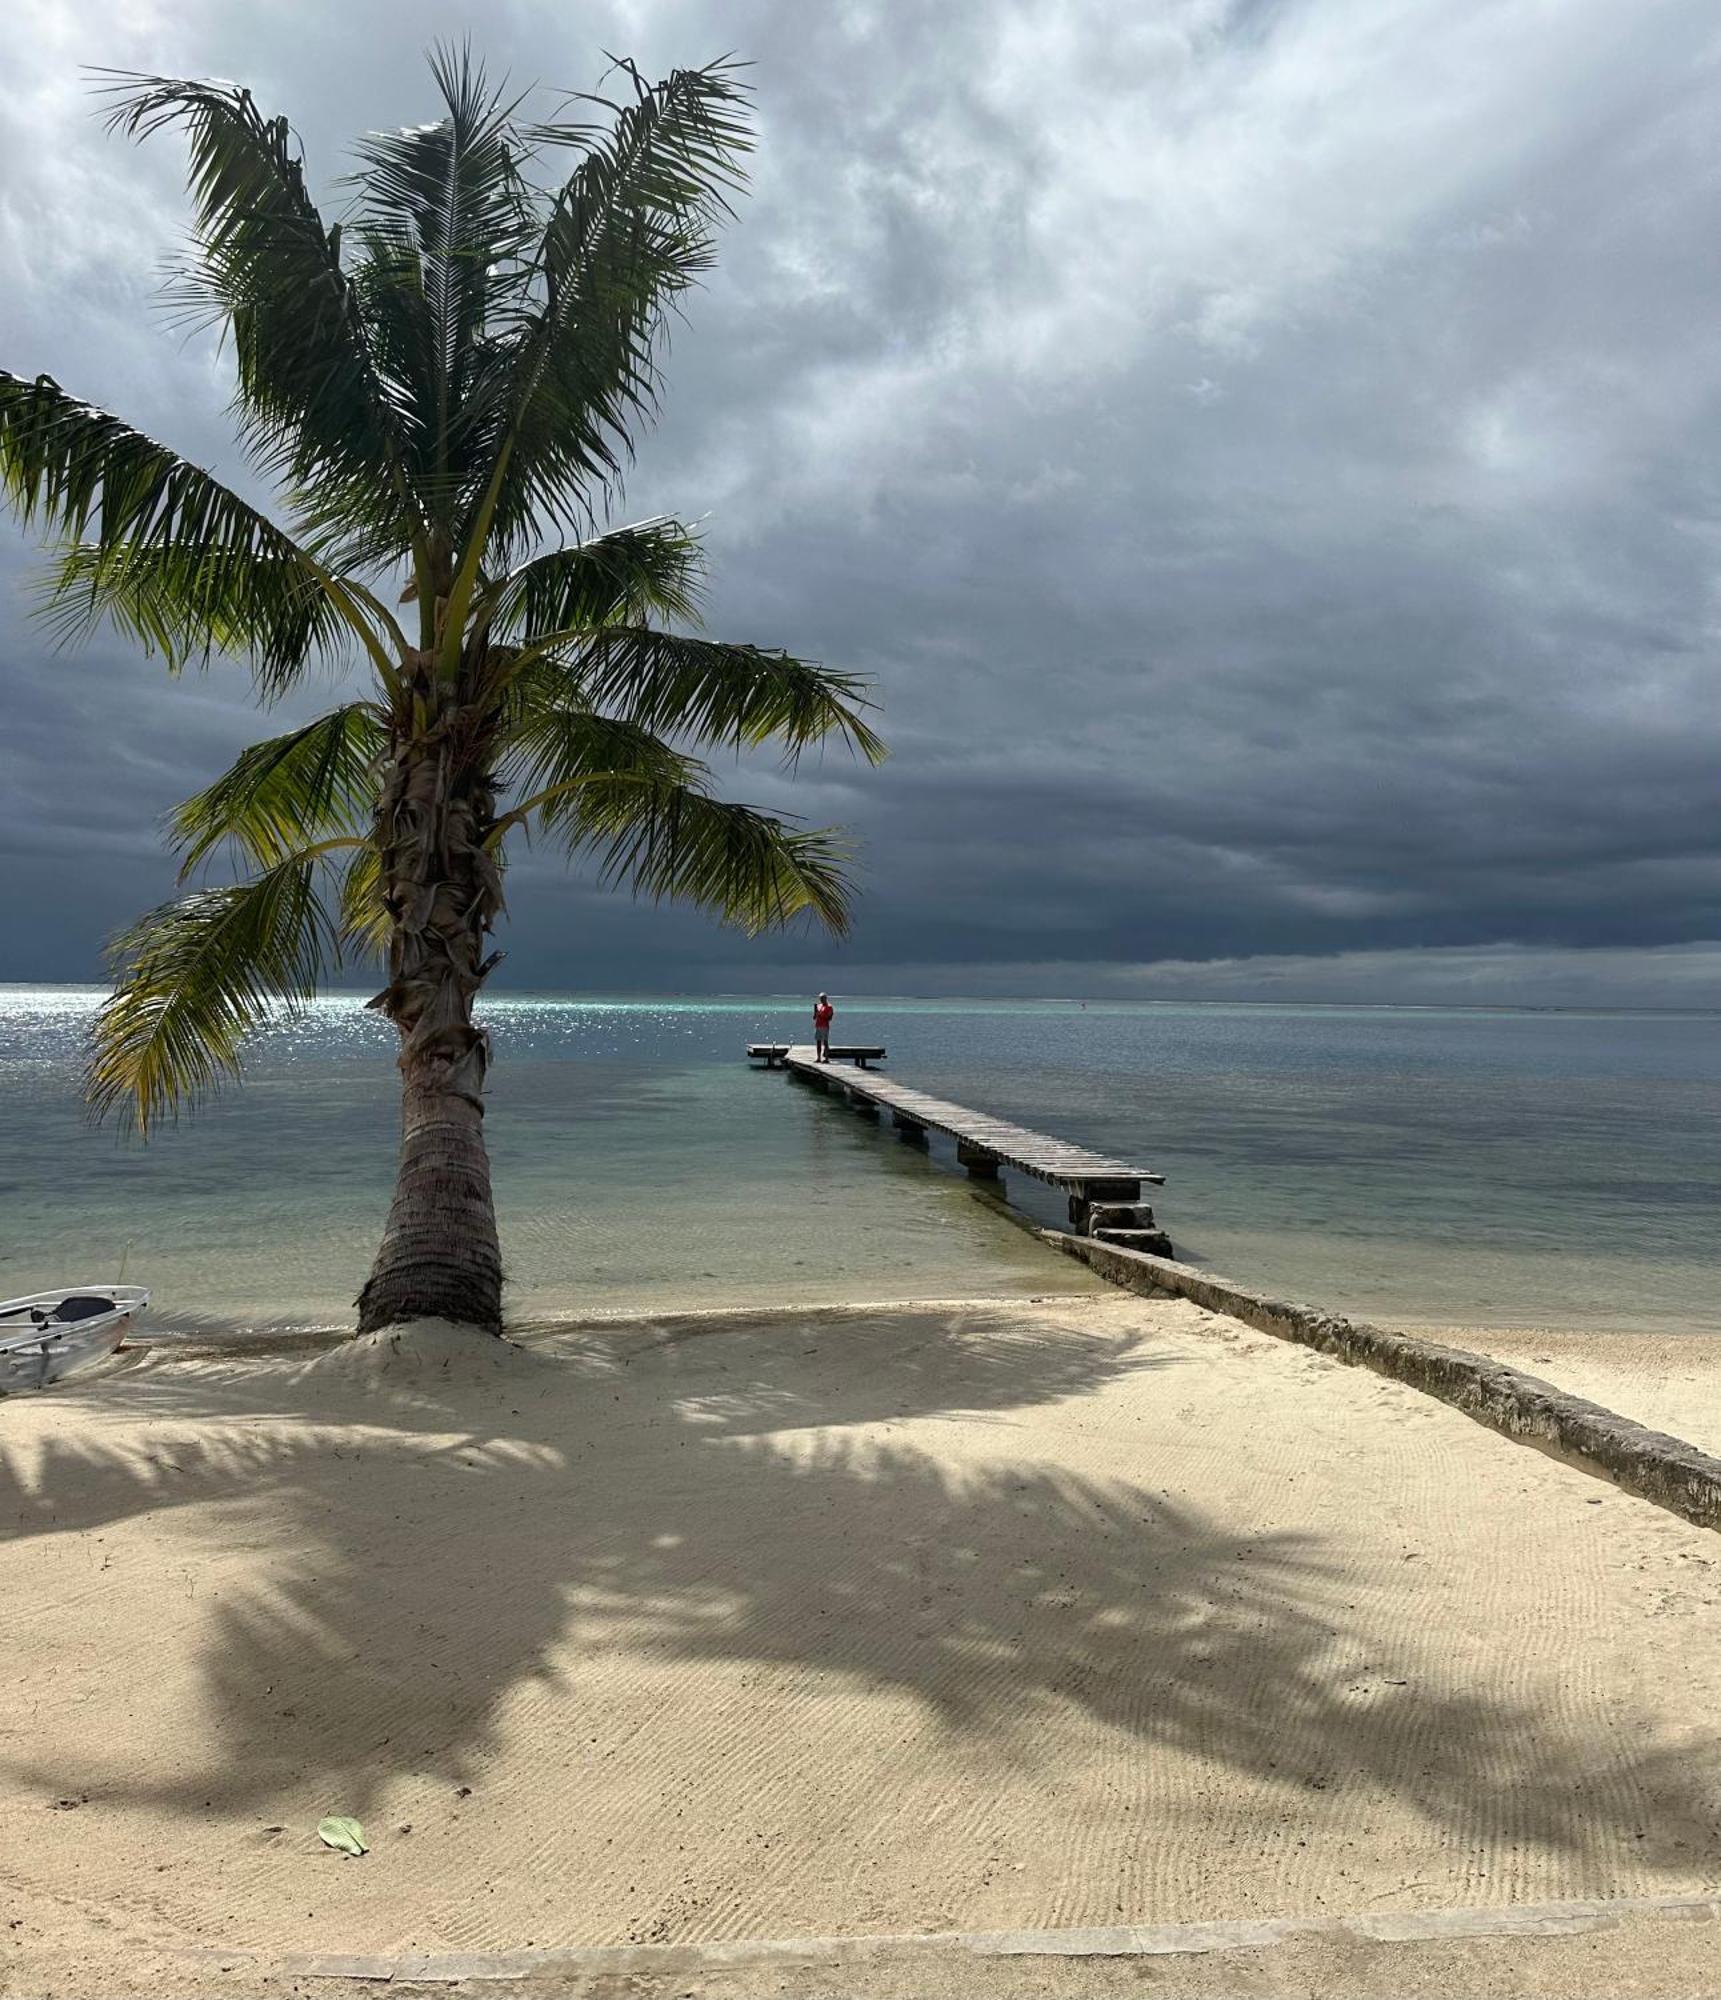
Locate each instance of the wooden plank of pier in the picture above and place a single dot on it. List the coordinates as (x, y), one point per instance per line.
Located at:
(774, 1054)
(983, 1144)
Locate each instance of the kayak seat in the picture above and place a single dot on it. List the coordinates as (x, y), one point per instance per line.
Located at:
(82, 1305)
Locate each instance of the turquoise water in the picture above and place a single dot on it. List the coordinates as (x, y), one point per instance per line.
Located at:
(1422, 1165)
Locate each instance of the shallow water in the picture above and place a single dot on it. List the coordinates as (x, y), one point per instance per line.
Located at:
(1418, 1164)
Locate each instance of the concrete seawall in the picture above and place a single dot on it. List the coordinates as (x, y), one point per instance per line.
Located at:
(1672, 1473)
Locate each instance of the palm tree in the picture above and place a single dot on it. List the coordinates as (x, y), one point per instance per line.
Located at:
(437, 387)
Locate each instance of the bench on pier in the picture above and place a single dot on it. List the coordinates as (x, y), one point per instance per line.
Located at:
(775, 1054)
(983, 1145)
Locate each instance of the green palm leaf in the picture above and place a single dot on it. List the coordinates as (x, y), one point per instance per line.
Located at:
(631, 230)
(177, 558)
(608, 787)
(445, 218)
(311, 396)
(718, 693)
(669, 841)
(365, 923)
(652, 566)
(194, 978)
(553, 752)
(282, 795)
(186, 604)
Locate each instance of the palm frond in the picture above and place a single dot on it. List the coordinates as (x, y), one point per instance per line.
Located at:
(444, 216)
(676, 842)
(606, 786)
(630, 231)
(626, 573)
(312, 399)
(365, 923)
(186, 604)
(194, 978)
(551, 753)
(179, 559)
(280, 796)
(718, 693)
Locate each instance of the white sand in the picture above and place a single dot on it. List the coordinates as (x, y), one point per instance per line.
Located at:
(889, 1620)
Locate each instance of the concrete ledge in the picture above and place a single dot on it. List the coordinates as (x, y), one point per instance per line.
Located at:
(1648, 1463)
(1542, 1920)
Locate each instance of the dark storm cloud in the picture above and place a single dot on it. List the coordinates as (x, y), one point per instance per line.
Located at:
(1265, 454)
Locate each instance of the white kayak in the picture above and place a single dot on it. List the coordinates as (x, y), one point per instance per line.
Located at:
(53, 1334)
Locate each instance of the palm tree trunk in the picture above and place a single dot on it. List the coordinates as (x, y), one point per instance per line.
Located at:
(439, 1256)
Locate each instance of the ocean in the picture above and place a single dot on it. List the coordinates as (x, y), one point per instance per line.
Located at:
(1423, 1166)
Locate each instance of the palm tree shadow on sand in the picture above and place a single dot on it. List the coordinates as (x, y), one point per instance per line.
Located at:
(709, 1499)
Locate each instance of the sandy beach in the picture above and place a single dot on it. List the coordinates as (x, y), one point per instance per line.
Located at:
(962, 1616)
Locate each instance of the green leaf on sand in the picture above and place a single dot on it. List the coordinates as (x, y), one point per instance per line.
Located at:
(346, 1834)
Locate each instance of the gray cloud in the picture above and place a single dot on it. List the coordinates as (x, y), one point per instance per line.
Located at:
(1265, 453)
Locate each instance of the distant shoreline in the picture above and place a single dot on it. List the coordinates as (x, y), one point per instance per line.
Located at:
(498, 995)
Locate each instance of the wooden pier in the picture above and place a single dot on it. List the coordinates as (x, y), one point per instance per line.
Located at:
(1104, 1193)
(774, 1055)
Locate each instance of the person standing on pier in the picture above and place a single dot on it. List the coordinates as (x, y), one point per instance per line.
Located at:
(823, 1014)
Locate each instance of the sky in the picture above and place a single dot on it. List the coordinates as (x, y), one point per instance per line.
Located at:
(1265, 453)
